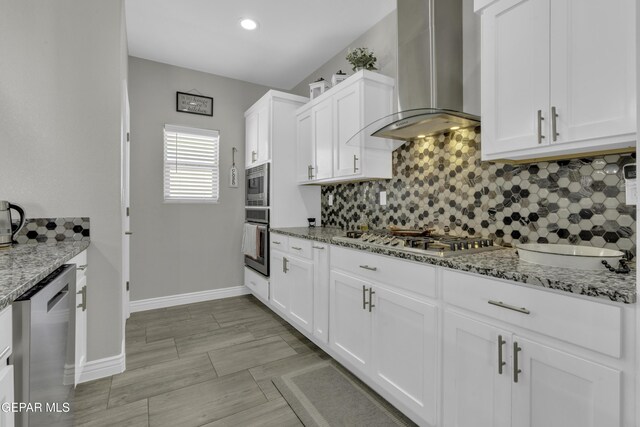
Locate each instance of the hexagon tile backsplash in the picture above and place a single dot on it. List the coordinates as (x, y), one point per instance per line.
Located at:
(45, 230)
(440, 181)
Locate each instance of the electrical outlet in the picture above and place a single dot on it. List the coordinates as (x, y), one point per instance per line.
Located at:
(330, 199)
(631, 188)
(383, 198)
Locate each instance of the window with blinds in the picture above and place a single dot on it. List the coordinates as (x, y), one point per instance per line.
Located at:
(191, 168)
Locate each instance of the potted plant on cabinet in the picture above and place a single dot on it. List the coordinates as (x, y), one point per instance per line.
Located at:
(361, 59)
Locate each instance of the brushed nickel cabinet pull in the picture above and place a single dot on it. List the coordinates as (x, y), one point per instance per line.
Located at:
(355, 167)
(296, 248)
(128, 233)
(366, 267)
(501, 362)
(83, 304)
(509, 307)
(364, 297)
(81, 267)
(317, 247)
(275, 243)
(516, 369)
(554, 129)
(371, 304)
(540, 119)
(254, 156)
(310, 171)
(284, 265)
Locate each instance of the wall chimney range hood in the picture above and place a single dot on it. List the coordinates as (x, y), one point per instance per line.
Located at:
(429, 75)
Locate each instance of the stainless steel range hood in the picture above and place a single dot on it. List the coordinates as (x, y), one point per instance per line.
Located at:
(429, 72)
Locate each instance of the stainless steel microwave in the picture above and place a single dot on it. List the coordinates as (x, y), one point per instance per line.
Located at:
(257, 186)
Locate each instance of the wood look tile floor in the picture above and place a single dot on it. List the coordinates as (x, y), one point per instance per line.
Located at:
(204, 364)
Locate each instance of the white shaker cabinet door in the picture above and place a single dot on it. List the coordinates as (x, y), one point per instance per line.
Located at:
(81, 327)
(300, 281)
(404, 350)
(476, 393)
(557, 389)
(349, 319)
(322, 130)
(263, 146)
(251, 139)
(348, 110)
(592, 69)
(321, 291)
(279, 284)
(305, 148)
(515, 75)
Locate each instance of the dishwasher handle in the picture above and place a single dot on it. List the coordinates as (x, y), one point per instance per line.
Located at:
(57, 297)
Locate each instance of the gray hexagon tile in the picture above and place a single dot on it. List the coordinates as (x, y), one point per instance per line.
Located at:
(440, 182)
(45, 230)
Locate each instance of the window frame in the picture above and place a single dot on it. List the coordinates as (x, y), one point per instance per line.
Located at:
(202, 132)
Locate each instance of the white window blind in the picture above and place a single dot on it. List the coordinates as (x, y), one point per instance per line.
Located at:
(191, 169)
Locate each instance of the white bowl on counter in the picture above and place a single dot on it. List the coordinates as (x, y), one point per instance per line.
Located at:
(568, 256)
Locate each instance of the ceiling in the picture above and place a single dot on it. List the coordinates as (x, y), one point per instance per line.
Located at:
(293, 39)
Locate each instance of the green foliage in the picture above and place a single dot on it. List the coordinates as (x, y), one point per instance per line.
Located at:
(360, 57)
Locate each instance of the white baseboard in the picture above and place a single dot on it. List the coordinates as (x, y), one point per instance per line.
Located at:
(96, 369)
(180, 299)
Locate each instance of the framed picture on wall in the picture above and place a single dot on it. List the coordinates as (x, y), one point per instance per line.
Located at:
(194, 104)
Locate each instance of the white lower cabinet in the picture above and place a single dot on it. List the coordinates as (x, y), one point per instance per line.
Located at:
(279, 297)
(475, 389)
(299, 277)
(494, 378)
(81, 263)
(389, 336)
(349, 321)
(456, 349)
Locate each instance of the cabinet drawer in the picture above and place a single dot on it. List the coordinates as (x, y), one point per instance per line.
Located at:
(590, 324)
(279, 242)
(80, 261)
(257, 284)
(6, 331)
(411, 276)
(300, 247)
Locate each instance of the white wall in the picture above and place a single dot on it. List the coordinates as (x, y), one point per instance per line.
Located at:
(60, 88)
(181, 248)
(382, 39)
(470, 59)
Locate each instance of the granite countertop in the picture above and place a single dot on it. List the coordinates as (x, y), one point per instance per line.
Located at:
(503, 264)
(24, 265)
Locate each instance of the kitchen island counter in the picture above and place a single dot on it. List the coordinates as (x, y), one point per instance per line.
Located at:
(502, 264)
(24, 265)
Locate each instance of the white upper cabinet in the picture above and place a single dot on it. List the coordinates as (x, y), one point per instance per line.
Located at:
(557, 77)
(333, 149)
(257, 134)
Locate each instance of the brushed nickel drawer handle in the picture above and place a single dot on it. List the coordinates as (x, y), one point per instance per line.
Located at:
(554, 127)
(275, 243)
(366, 267)
(509, 307)
(296, 248)
(317, 247)
(82, 267)
(284, 264)
(371, 304)
(128, 233)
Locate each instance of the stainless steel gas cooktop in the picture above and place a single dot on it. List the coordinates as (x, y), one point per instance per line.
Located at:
(440, 245)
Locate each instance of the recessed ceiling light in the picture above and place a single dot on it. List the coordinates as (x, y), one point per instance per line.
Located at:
(248, 24)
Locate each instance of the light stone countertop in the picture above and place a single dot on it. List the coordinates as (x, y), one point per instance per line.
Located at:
(502, 264)
(22, 266)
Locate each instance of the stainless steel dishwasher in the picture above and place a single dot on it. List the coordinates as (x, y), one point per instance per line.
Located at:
(44, 350)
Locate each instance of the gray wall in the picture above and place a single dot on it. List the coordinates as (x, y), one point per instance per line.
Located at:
(382, 39)
(182, 248)
(60, 96)
(470, 58)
